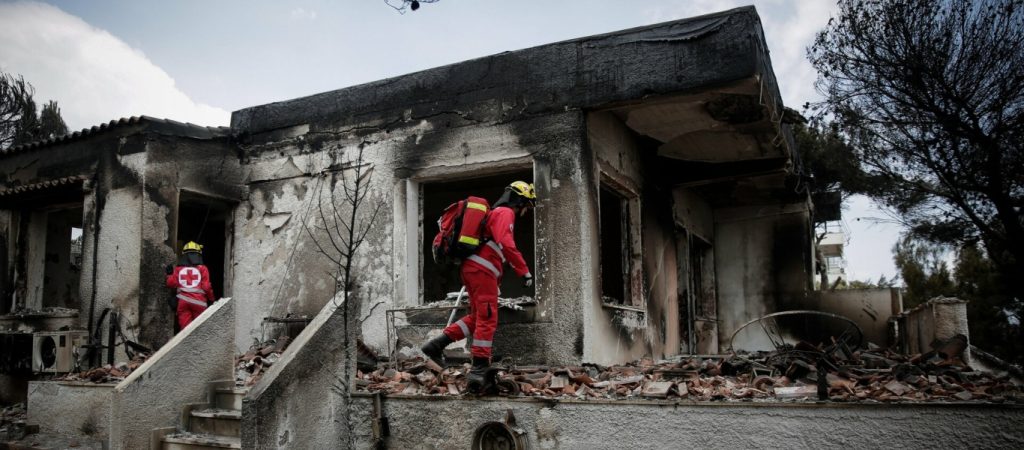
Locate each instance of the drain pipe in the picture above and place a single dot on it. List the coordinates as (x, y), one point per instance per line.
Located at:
(381, 427)
(112, 321)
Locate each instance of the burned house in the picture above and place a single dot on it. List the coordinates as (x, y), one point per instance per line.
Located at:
(670, 213)
(90, 219)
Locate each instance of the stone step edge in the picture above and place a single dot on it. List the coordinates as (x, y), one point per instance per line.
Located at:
(214, 413)
(208, 440)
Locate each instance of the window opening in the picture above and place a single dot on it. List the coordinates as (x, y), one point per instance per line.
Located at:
(76, 247)
(702, 279)
(614, 248)
(439, 280)
(63, 260)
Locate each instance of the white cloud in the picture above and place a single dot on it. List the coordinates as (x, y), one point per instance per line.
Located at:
(94, 76)
(303, 13)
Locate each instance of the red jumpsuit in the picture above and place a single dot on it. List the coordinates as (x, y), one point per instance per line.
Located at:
(194, 291)
(480, 275)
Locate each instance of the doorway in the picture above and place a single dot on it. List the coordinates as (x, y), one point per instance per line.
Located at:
(207, 221)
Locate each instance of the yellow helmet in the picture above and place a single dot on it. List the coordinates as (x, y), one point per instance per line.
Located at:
(191, 246)
(524, 190)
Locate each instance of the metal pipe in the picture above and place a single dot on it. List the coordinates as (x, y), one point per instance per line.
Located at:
(458, 300)
(110, 339)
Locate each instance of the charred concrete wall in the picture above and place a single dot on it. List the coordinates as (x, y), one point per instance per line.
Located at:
(299, 402)
(936, 320)
(52, 177)
(279, 227)
(70, 408)
(870, 309)
(503, 113)
(613, 334)
(697, 303)
(761, 264)
(442, 423)
(278, 267)
(206, 170)
(124, 184)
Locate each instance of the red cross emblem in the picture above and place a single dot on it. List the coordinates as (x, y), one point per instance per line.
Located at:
(189, 277)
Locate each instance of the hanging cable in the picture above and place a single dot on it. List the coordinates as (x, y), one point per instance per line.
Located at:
(199, 235)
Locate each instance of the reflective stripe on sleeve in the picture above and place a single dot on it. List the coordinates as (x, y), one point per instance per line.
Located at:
(497, 247)
(487, 264)
(474, 205)
(469, 240)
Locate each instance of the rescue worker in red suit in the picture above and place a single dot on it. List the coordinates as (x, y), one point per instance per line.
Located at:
(191, 280)
(480, 274)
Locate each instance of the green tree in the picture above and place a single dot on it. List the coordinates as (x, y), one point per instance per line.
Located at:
(15, 93)
(827, 159)
(994, 320)
(995, 326)
(27, 127)
(929, 95)
(924, 270)
(51, 124)
(882, 283)
(20, 123)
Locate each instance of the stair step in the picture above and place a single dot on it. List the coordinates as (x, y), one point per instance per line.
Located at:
(220, 422)
(218, 413)
(229, 398)
(194, 441)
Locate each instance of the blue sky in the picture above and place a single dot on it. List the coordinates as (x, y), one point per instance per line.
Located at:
(197, 61)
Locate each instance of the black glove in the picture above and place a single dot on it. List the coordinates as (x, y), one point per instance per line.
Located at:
(169, 269)
(528, 280)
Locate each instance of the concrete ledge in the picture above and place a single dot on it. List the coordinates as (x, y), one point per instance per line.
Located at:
(293, 405)
(70, 408)
(30, 323)
(424, 422)
(154, 394)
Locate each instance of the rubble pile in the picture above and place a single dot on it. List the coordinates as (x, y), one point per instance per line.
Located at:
(251, 366)
(108, 373)
(12, 423)
(50, 311)
(802, 372)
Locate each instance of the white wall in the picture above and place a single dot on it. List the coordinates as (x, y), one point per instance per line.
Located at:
(760, 267)
(431, 422)
(154, 395)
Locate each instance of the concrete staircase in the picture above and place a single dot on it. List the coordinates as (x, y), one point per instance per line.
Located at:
(213, 425)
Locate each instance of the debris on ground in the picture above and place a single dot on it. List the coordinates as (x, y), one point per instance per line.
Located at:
(452, 300)
(50, 311)
(804, 372)
(109, 373)
(251, 366)
(12, 423)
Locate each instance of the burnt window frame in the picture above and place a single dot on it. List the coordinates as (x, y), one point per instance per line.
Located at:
(415, 286)
(34, 282)
(631, 252)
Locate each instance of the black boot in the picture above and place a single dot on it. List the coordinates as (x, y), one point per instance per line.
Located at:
(434, 349)
(477, 375)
